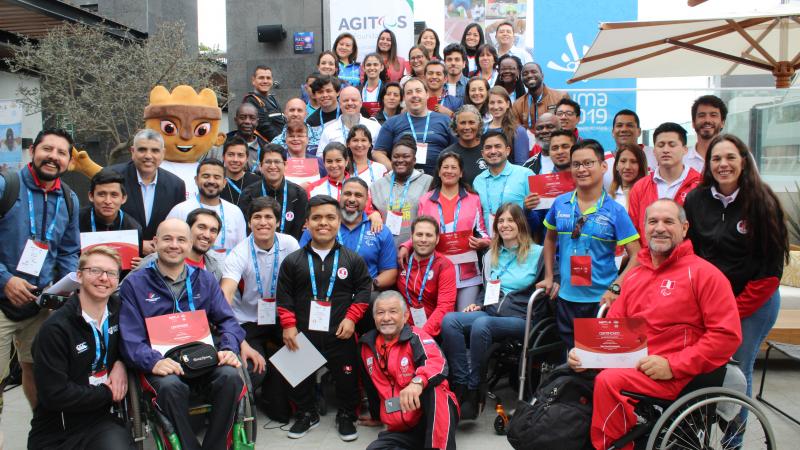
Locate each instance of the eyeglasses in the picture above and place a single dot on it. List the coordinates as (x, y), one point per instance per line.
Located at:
(417, 57)
(565, 113)
(97, 272)
(272, 162)
(576, 232)
(588, 164)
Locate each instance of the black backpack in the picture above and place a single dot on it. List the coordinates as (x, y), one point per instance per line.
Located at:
(11, 192)
(560, 416)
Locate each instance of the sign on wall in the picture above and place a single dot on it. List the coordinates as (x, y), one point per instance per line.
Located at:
(11, 154)
(559, 44)
(366, 20)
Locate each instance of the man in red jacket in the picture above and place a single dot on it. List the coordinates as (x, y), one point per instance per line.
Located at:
(672, 179)
(691, 318)
(410, 374)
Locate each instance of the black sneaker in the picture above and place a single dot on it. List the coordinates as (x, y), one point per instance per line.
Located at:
(302, 423)
(346, 426)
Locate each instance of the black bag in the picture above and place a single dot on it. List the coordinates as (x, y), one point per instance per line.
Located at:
(196, 358)
(560, 416)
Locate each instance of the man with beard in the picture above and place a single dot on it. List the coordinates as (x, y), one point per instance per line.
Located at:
(210, 181)
(235, 160)
(626, 131)
(246, 120)
(41, 242)
(467, 125)
(540, 153)
(696, 331)
(545, 98)
(270, 118)
(558, 160)
(336, 131)
(708, 118)
(295, 112)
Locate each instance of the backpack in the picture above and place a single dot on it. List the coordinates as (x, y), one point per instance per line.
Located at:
(560, 415)
(11, 193)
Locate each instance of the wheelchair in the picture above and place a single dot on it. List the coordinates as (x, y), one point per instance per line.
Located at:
(139, 413)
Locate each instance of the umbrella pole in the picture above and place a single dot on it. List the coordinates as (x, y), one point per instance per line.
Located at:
(783, 72)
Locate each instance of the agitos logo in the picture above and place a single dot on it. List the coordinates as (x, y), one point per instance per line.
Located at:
(364, 23)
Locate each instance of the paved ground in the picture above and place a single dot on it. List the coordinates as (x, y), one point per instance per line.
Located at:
(783, 387)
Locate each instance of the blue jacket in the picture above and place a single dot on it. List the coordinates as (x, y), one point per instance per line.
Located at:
(145, 293)
(64, 244)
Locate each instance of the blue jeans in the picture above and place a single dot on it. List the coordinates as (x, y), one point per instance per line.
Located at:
(482, 330)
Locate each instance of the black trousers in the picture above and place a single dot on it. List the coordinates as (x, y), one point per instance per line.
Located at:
(431, 431)
(266, 340)
(223, 386)
(343, 363)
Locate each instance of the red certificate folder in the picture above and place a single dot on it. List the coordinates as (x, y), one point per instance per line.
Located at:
(549, 186)
(126, 242)
(302, 170)
(610, 343)
(455, 246)
(171, 330)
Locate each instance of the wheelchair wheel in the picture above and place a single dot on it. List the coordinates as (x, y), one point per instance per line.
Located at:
(250, 423)
(697, 421)
(134, 412)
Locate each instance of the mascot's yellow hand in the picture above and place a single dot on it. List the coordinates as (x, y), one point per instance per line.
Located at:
(81, 162)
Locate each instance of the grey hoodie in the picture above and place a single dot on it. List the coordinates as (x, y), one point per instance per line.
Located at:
(419, 185)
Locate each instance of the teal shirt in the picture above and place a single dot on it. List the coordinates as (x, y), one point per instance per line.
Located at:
(516, 275)
(510, 185)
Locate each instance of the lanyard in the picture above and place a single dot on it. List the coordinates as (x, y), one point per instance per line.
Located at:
(232, 184)
(587, 225)
(221, 216)
(96, 364)
(277, 249)
(314, 277)
(422, 285)
(402, 199)
(535, 111)
(338, 188)
(189, 292)
(455, 217)
(369, 166)
(385, 117)
(121, 216)
(502, 193)
(414, 131)
(258, 161)
(49, 235)
(504, 269)
(344, 130)
(284, 202)
(322, 121)
(364, 89)
(362, 228)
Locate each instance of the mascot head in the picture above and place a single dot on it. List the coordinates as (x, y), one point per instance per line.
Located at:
(188, 121)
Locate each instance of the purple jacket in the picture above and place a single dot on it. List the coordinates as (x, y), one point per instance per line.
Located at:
(145, 293)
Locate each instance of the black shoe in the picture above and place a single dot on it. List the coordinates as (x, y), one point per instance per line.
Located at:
(346, 426)
(302, 423)
(469, 406)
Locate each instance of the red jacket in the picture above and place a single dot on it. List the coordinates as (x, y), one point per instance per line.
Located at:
(439, 297)
(644, 192)
(689, 307)
(414, 354)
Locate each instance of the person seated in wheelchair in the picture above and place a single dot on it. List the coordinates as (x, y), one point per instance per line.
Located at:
(511, 268)
(77, 369)
(410, 374)
(167, 286)
(692, 323)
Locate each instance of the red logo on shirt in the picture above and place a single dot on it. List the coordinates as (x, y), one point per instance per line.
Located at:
(342, 273)
(289, 216)
(741, 227)
(666, 287)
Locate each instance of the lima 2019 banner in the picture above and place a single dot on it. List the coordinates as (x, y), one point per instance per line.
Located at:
(366, 20)
(561, 38)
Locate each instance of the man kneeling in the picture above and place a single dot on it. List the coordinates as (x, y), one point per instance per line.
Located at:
(692, 322)
(410, 375)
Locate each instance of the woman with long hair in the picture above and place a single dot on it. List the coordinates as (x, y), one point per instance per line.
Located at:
(359, 142)
(476, 93)
(372, 81)
(510, 68)
(510, 270)
(326, 64)
(386, 46)
(418, 57)
(736, 223)
(346, 49)
(486, 64)
(429, 40)
(390, 98)
(458, 208)
(630, 165)
(503, 120)
(471, 40)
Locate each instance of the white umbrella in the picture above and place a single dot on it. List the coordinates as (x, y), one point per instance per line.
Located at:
(745, 45)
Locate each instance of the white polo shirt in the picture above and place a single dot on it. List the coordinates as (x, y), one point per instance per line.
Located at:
(694, 160)
(239, 266)
(667, 189)
(335, 131)
(233, 225)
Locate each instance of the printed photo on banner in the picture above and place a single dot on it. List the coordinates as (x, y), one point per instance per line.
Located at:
(12, 155)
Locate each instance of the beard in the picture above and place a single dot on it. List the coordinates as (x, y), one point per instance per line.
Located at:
(661, 249)
(46, 176)
(350, 217)
(209, 192)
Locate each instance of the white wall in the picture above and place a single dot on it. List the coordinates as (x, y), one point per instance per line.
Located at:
(9, 85)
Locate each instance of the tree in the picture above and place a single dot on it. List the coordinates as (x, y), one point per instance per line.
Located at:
(100, 83)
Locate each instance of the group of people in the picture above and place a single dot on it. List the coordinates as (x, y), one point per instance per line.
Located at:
(334, 217)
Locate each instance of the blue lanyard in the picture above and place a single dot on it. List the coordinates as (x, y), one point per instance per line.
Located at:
(455, 217)
(402, 199)
(233, 185)
(369, 166)
(504, 269)
(535, 111)
(121, 216)
(189, 292)
(277, 249)
(502, 193)
(322, 121)
(221, 216)
(314, 277)
(284, 202)
(414, 131)
(330, 193)
(49, 234)
(422, 285)
(95, 364)
(587, 225)
(344, 130)
(255, 166)
(362, 228)
(385, 117)
(364, 89)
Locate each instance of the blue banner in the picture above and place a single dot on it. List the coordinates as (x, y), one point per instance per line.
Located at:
(561, 37)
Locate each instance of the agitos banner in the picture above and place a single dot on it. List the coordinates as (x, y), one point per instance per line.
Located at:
(366, 20)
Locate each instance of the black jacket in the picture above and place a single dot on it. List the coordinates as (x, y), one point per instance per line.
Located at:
(295, 211)
(170, 190)
(352, 287)
(63, 353)
(229, 192)
(270, 117)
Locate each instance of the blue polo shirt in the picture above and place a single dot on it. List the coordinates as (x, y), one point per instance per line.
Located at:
(510, 185)
(514, 275)
(438, 138)
(607, 226)
(377, 250)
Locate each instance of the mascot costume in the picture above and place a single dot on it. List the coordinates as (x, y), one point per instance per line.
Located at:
(189, 124)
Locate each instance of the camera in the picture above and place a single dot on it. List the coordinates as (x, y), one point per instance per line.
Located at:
(51, 301)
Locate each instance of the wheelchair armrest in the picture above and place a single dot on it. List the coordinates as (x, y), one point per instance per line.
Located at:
(647, 399)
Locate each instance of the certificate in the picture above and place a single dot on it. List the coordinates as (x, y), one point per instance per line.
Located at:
(126, 242)
(302, 170)
(456, 247)
(610, 343)
(171, 330)
(298, 365)
(549, 186)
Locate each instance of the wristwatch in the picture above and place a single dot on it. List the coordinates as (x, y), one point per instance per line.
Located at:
(417, 380)
(615, 289)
